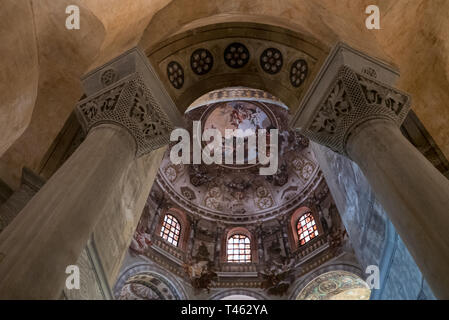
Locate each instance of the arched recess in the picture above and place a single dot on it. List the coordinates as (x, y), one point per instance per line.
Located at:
(295, 58)
(238, 231)
(142, 272)
(292, 227)
(342, 267)
(223, 295)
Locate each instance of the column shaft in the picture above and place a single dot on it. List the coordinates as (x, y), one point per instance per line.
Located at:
(413, 193)
(52, 230)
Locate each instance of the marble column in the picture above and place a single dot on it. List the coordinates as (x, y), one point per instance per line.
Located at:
(353, 108)
(127, 116)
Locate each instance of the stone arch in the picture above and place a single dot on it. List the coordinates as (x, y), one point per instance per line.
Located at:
(338, 22)
(176, 288)
(301, 283)
(233, 292)
(288, 83)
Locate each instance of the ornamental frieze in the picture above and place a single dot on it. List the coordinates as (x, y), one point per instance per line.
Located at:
(130, 104)
(351, 100)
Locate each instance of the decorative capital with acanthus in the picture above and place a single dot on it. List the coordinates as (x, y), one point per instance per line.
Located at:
(127, 92)
(344, 96)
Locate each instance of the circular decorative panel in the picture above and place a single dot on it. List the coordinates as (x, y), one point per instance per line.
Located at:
(201, 61)
(175, 74)
(236, 55)
(271, 60)
(298, 72)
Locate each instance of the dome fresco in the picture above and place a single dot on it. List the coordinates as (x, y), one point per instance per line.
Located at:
(214, 203)
(247, 117)
(238, 192)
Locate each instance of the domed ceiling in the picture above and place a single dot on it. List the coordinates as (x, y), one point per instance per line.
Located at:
(211, 202)
(236, 192)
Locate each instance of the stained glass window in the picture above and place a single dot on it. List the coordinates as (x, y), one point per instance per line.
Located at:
(306, 228)
(239, 249)
(171, 230)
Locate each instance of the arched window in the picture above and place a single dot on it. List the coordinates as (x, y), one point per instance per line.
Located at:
(306, 228)
(171, 230)
(239, 248)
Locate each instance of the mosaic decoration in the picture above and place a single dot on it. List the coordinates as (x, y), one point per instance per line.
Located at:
(271, 60)
(201, 61)
(335, 285)
(298, 72)
(236, 55)
(175, 74)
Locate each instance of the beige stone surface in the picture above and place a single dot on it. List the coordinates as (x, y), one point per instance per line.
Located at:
(416, 34)
(19, 70)
(43, 60)
(107, 29)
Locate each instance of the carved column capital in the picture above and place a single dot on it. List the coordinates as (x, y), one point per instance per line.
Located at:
(127, 92)
(345, 95)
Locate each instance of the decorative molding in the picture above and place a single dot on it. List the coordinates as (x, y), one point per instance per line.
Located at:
(271, 60)
(150, 268)
(175, 74)
(236, 55)
(108, 77)
(298, 72)
(351, 100)
(130, 104)
(201, 61)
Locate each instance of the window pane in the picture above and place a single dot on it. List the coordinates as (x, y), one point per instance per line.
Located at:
(239, 249)
(171, 230)
(306, 228)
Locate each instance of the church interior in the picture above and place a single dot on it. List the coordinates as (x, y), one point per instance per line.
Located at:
(358, 208)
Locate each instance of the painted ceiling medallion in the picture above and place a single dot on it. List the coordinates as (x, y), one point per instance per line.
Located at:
(201, 61)
(271, 60)
(236, 55)
(175, 74)
(298, 72)
(243, 115)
